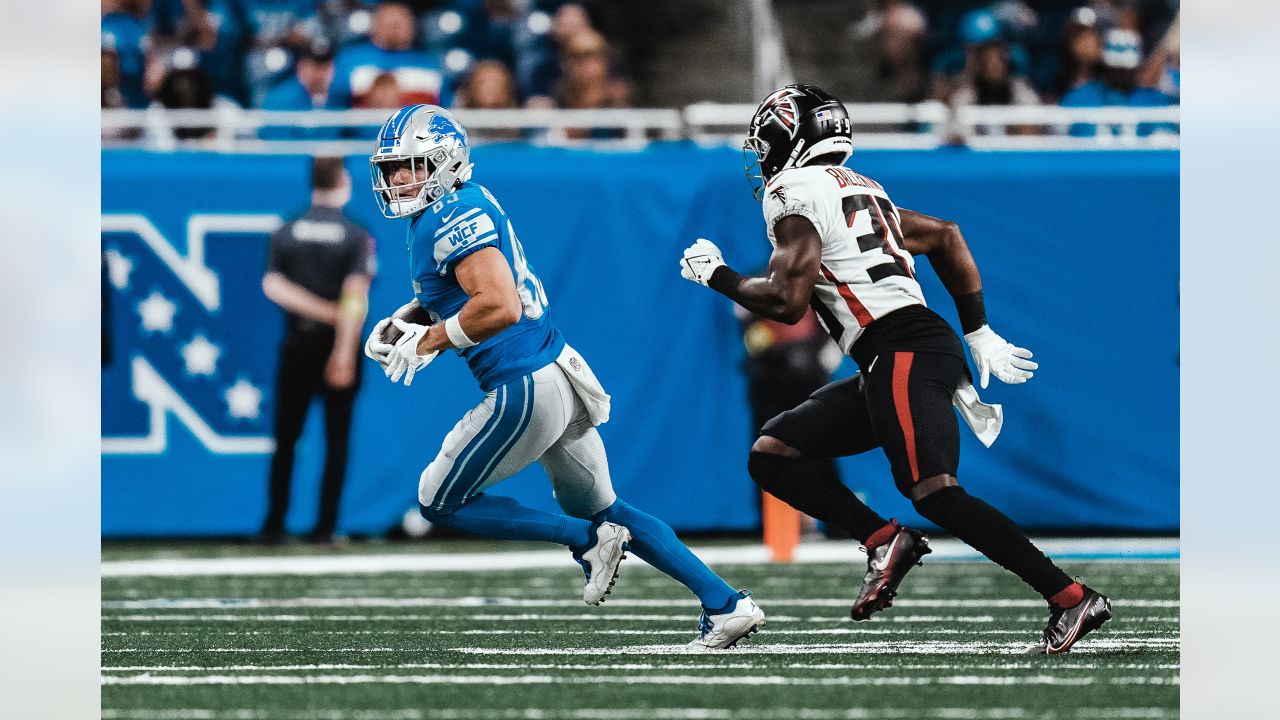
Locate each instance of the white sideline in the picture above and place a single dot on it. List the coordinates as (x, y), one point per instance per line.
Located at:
(864, 647)
(644, 632)
(773, 713)
(818, 552)
(666, 667)
(752, 680)
(499, 602)
(397, 618)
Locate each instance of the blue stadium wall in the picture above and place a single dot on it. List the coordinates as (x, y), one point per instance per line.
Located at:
(1079, 257)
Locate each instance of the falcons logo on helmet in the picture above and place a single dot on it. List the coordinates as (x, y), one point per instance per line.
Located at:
(780, 107)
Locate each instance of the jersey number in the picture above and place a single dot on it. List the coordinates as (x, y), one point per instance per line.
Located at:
(532, 295)
(884, 234)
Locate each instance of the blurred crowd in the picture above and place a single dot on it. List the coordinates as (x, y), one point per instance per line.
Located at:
(339, 54)
(1015, 52)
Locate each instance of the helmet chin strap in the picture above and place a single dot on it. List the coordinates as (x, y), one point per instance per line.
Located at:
(791, 161)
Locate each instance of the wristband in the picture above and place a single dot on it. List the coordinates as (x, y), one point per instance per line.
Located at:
(453, 328)
(723, 279)
(353, 304)
(972, 311)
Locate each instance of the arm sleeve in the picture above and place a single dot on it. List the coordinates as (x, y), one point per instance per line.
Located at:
(468, 230)
(275, 256)
(801, 192)
(363, 259)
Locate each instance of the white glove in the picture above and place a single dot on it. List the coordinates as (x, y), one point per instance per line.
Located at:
(374, 348)
(700, 261)
(996, 356)
(405, 359)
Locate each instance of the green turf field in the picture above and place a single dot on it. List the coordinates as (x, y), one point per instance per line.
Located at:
(520, 644)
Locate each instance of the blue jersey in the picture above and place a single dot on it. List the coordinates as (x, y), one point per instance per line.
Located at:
(455, 226)
(420, 76)
(291, 95)
(1095, 93)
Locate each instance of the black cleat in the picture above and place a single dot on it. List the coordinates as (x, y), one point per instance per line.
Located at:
(886, 566)
(1067, 626)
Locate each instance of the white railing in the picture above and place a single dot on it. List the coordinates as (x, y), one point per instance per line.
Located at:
(875, 125)
(888, 125)
(1049, 127)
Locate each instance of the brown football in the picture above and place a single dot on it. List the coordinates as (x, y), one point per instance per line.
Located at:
(409, 312)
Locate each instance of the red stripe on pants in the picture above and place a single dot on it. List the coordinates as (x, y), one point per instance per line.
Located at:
(902, 402)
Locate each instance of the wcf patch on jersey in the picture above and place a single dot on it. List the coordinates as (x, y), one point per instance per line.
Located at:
(457, 235)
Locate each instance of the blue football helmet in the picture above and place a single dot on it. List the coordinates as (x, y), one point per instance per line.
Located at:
(434, 146)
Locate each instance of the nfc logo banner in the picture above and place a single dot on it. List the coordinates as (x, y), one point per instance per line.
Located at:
(179, 339)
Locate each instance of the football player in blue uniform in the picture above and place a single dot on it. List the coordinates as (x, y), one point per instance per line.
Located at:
(542, 402)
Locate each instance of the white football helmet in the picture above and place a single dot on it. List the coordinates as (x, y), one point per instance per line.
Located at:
(426, 137)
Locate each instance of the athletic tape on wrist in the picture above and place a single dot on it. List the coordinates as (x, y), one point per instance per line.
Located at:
(453, 328)
(723, 279)
(972, 311)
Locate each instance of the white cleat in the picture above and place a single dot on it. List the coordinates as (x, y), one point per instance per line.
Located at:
(600, 562)
(720, 632)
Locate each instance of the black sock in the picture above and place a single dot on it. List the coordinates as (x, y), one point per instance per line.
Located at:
(991, 533)
(817, 494)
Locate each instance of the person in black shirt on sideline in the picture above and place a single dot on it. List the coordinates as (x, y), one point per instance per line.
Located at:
(318, 271)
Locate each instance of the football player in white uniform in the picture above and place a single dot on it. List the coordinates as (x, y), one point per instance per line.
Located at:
(843, 247)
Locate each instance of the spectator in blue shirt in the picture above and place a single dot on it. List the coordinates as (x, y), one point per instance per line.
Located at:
(283, 22)
(421, 77)
(1079, 53)
(978, 29)
(1163, 69)
(278, 26)
(1117, 85)
(124, 33)
(307, 89)
(221, 30)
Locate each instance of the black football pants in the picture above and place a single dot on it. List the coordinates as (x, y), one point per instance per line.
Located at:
(299, 378)
(902, 404)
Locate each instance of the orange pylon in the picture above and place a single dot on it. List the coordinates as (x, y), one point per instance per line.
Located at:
(781, 528)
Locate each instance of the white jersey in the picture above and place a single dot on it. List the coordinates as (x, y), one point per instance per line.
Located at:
(866, 272)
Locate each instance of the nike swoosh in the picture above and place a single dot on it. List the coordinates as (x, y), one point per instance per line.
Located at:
(447, 218)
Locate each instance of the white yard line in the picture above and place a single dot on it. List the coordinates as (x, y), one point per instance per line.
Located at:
(497, 602)
(720, 680)
(821, 552)
(636, 666)
(499, 632)
(538, 617)
(865, 647)
(855, 713)
(522, 617)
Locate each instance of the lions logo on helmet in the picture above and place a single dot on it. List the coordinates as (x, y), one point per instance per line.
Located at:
(422, 154)
(792, 127)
